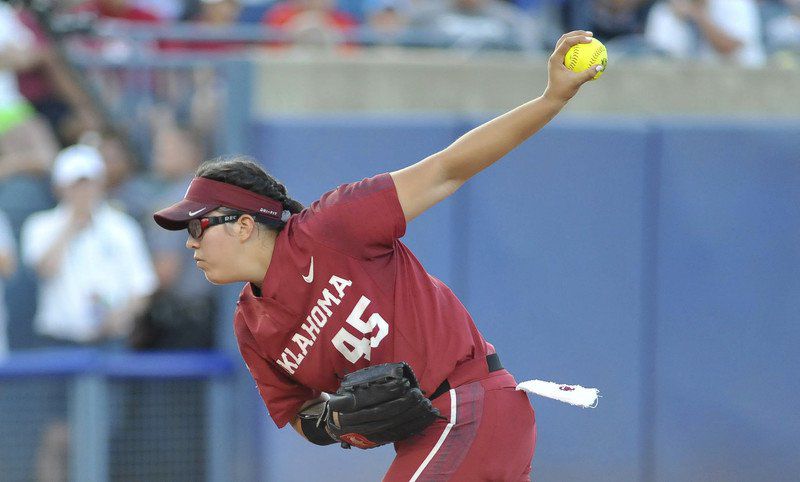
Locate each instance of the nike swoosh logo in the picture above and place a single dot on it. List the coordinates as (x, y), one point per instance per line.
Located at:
(193, 213)
(310, 276)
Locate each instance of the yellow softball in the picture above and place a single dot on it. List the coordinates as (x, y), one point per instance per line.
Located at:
(582, 56)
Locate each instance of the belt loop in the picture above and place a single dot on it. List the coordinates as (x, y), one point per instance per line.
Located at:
(493, 362)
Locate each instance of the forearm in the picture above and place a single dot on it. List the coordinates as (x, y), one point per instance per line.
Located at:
(484, 145)
(31, 148)
(19, 163)
(436, 177)
(16, 59)
(8, 264)
(719, 39)
(50, 262)
(69, 86)
(120, 321)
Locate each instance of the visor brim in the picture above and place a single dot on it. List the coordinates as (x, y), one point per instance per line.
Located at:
(177, 216)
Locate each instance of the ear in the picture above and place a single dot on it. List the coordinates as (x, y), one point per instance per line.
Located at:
(246, 227)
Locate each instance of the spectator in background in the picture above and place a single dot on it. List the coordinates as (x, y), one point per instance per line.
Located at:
(783, 28)
(169, 10)
(94, 269)
(388, 18)
(315, 22)
(53, 90)
(119, 10)
(95, 276)
(478, 24)
(27, 145)
(215, 12)
(618, 23)
(8, 264)
(126, 191)
(182, 311)
(722, 30)
(209, 14)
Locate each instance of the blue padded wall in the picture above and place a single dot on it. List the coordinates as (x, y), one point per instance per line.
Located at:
(554, 270)
(657, 259)
(729, 302)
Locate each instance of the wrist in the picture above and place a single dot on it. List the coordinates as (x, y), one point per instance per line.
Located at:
(553, 100)
(316, 432)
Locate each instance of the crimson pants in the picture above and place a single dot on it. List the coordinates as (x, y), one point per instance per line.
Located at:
(489, 435)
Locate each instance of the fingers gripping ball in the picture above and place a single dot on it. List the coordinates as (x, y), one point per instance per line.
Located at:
(378, 405)
(582, 56)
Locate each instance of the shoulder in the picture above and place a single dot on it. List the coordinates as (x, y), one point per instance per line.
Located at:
(357, 190)
(115, 214)
(119, 221)
(721, 9)
(42, 219)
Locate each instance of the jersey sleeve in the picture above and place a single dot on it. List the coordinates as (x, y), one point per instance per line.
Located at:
(282, 396)
(362, 219)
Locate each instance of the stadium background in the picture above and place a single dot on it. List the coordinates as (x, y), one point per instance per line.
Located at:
(646, 242)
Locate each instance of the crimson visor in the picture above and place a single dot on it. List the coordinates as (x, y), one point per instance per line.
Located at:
(205, 195)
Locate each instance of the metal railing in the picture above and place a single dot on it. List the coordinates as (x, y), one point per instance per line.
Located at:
(99, 416)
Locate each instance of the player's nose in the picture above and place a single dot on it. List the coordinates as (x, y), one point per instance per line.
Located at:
(192, 243)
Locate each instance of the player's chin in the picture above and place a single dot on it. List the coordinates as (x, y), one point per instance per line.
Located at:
(211, 274)
(218, 278)
(212, 278)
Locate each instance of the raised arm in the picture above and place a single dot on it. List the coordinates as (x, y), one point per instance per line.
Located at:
(436, 177)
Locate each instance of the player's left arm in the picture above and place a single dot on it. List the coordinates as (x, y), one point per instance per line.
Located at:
(436, 177)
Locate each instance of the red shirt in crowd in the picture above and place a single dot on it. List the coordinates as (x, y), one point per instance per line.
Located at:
(123, 12)
(342, 293)
(282, 14)
(34, 84)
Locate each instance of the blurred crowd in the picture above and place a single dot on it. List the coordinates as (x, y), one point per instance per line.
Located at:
(81, 258)
(745, 32)
(83, 262)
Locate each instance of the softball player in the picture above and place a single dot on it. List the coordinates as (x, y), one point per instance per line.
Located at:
(334, 301)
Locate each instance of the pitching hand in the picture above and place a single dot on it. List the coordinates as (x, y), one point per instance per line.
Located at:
(562, 83)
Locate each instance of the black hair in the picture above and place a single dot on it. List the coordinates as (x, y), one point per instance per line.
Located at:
(245, 172)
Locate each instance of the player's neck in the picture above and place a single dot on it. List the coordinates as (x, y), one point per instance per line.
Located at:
(259, 260)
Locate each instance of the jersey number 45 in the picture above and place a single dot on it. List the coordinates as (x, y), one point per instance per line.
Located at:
(352, 347)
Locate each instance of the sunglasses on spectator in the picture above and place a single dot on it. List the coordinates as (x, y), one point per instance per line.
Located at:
(197, 227)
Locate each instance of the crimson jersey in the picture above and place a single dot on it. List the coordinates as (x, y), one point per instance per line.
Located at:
(342, 293)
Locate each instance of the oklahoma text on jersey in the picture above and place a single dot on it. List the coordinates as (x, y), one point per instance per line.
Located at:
(350, 346)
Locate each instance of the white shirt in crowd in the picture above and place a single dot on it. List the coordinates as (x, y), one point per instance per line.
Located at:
(783, 31)
(13, 34)
(738, 18)
(103, 268)
(164, 9)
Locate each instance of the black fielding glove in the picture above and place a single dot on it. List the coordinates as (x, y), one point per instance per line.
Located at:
(378, 405)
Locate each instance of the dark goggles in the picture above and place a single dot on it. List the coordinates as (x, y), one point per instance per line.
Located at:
(197, 227)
